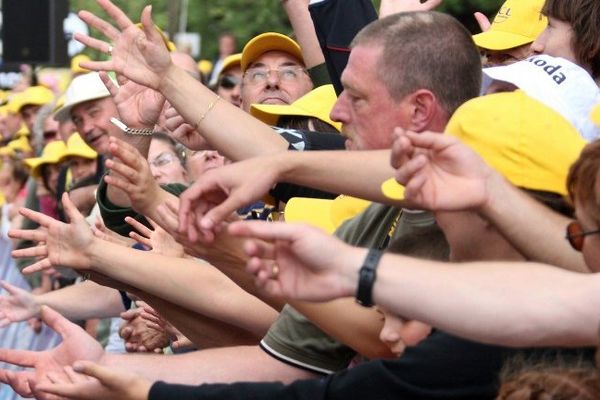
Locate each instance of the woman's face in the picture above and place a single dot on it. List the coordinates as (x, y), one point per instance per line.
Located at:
(164, 163)
(51, 173)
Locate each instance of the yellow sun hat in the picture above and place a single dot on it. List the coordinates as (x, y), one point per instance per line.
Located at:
(52, 153)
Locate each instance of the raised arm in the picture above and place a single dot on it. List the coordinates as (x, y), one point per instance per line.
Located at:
(140, 55)
(304, 30)
(513, 304)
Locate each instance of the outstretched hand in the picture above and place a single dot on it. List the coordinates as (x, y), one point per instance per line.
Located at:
(59, 244)
(298, 261)
(137, 54)
(88, 380)
(221, 191)
(19, 305)
(76, 345)
(439, 172)
(131, 174)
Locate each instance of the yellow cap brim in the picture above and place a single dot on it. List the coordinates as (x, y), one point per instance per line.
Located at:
(392, 189)
(322, 213)
(315, 212)
(498, 40)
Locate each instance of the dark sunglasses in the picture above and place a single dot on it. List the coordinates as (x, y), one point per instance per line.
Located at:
(576, 235)
(229, 82)
(50, 134)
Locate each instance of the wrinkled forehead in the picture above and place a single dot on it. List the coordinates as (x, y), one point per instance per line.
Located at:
(275, 59)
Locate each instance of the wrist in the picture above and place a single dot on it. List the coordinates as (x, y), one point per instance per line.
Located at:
(350, 267)
(495, 186)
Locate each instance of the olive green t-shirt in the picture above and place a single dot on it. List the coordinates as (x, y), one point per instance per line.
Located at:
(295, 340)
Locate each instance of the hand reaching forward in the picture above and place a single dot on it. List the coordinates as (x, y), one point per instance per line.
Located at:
(61, 244)
(221, 191)
(19, 305)
(137, 54)
(88, 380)
(76, 345)
(298, 261)
(439, 172)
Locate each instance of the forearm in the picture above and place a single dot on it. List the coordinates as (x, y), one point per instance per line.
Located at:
(355, 326)
(193, 285)
(84, 301)
(356, 173)
(520, 218)
(513, 304)
(225, 127)
(304, 30)
(224, 365)
(203, 331)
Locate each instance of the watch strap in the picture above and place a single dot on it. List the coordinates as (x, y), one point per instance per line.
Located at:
(366, 277)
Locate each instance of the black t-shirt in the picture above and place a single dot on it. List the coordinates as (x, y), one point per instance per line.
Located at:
(441, 367)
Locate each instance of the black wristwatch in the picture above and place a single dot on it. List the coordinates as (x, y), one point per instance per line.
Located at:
(366, 278)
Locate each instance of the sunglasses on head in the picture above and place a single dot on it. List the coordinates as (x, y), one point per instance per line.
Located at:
(576, 235)
(229, 82)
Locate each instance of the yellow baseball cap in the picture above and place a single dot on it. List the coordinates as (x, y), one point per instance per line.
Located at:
(517, 23)
(596, 114)
(231, 61)
(7, 151)
(76, 147)
(529, 143)
(323, 213)
(33, 95)
(52, 153)
(270, 41)
(317, 103)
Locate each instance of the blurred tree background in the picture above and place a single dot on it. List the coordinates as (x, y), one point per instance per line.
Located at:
(246, 18)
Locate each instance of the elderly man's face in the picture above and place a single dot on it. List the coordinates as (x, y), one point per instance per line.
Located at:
(92, 120)
(274, 78)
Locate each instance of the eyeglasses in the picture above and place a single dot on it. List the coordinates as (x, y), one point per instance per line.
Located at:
(229, 82)
(163, 159)
(257, 76)
(576, 235)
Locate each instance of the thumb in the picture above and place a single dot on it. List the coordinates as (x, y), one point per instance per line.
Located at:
(103, 374)
(70, 209)
(483, 21)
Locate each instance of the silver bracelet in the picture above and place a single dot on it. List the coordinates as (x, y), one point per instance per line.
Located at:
(131, 131)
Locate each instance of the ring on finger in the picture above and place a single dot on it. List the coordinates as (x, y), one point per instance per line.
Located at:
(274, 271)
(110, 50)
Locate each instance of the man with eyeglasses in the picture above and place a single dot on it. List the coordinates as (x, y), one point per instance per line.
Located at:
(273, 71)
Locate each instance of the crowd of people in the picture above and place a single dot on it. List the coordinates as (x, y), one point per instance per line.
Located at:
(385, 206)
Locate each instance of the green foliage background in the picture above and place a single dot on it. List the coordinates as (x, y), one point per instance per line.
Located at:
(246, 18)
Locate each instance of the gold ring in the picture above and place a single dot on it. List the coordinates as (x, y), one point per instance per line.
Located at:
(274, 271)
(110, 50)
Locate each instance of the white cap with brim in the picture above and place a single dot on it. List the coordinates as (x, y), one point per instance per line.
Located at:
(81, 89)
(557, 83)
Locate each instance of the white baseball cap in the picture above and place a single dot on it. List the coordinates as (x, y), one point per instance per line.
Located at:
(81, 89)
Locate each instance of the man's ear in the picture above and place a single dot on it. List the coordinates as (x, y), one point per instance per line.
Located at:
(425, 110)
